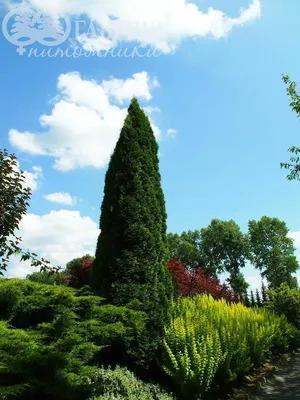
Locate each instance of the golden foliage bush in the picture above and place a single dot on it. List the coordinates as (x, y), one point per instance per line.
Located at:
(212, 341)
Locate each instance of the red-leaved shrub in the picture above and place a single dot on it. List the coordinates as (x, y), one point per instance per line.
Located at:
(78, 272)
(192, 282)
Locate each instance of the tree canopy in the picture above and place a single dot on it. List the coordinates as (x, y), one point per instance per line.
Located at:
(272, 251)
(14, 202)
(294, 163)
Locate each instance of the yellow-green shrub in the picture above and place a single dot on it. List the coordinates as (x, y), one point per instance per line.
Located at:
(211, 340)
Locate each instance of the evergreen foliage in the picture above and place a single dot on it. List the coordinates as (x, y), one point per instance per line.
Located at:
(53, 337)
(246, 300)
(131, 253)
(264, 295)
(252, 299)
(258, 299)
(119, 384)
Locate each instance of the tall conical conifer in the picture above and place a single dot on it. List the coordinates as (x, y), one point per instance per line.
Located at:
(258, 299)
(131, 252)
(264, 292)
(252, 299)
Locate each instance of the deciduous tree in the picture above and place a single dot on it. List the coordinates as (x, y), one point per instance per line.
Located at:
(14, 201)
(293, 166)
(186, 248)
(272, 251)
(225, 249)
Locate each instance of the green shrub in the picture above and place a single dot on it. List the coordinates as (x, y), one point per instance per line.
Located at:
(211, 340)
(286, 301)
(53, 338)
(120, 384)
(47, 277)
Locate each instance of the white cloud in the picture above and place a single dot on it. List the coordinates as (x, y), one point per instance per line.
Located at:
(32, 179)
(84, 124)
(160, 23)
(150, 110)
(61, 198)
(19, 269)
(96, 43)
(140, 84)
(172, 132)
(26, 142)
(296, 237)
(58, 237)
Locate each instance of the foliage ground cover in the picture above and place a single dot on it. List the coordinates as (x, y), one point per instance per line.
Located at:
(52, 338)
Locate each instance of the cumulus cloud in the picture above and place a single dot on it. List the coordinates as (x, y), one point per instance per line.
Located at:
(172, 132)
(85, 121)
(61, 198)
(19, 269)
(32, 179)
(139, 85)
(296, 237)
(58, 237)
(163, 24)
(149, 110)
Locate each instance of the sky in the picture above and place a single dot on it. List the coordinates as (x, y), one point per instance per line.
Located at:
(207, 73)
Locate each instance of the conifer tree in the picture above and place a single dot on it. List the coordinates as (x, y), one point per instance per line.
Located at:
(252, 299)
(264, 292)
(246, 299)
(258, 299)
(131, 252)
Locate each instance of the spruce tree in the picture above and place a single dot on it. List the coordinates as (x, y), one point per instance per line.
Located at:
(264, 292)
(246, 299)
(258, 300)
(252, 299)
(131, 254)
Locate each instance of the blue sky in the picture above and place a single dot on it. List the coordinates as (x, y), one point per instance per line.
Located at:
(220, 90)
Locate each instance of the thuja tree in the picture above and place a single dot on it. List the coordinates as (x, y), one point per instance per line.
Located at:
(131, 252)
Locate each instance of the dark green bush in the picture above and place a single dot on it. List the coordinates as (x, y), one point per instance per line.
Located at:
(54, 337)
(286, 301)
